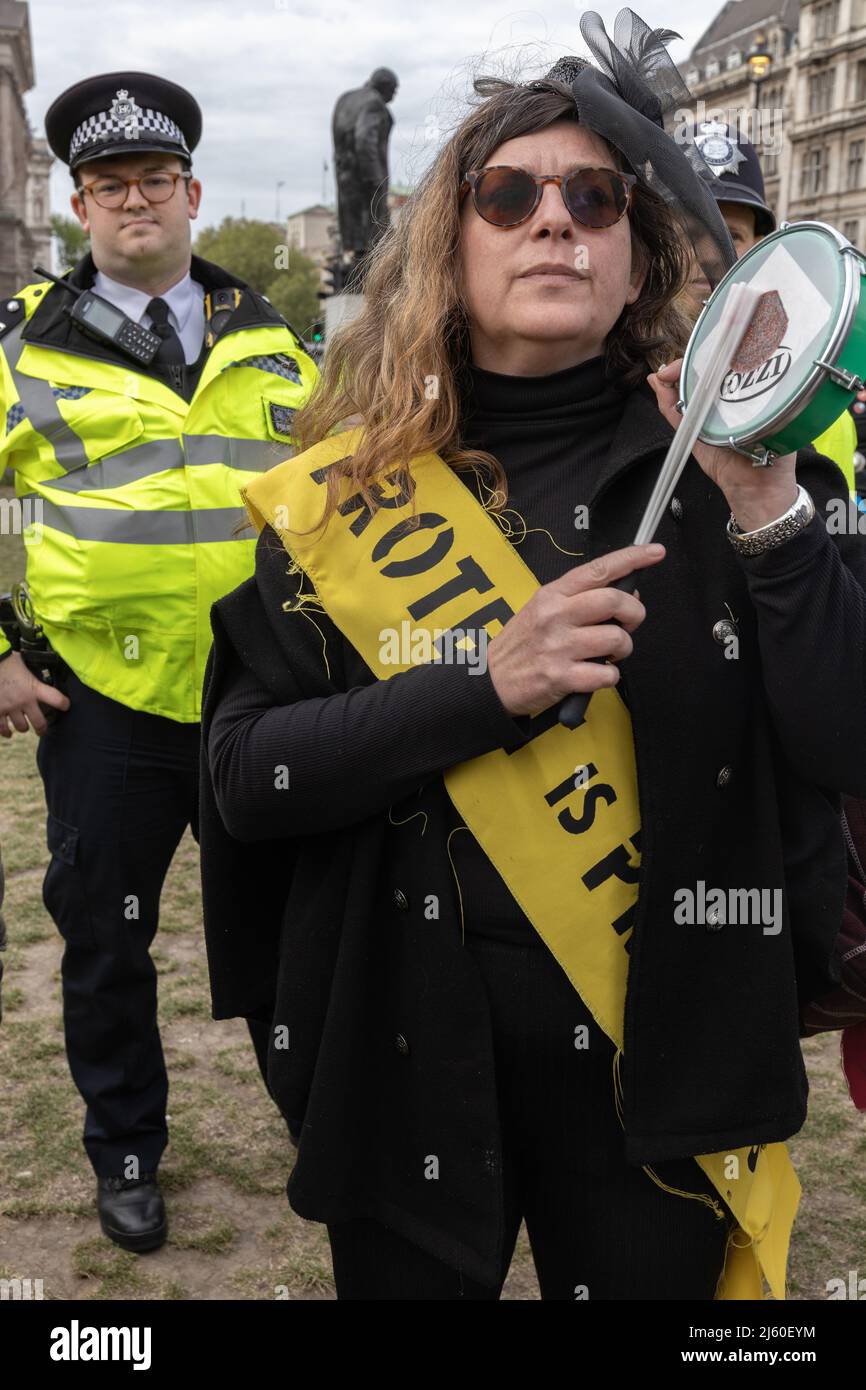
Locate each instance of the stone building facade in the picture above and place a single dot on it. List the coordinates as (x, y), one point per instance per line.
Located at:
(25, 162)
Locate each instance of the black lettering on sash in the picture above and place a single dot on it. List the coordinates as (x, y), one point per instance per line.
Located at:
(399, 569)
(577, 825)
(357, 503)
(603, 792)
(538, 724)
(567, 786)
(497, 608)
(319, 475)
(613, 865)
(471, 576)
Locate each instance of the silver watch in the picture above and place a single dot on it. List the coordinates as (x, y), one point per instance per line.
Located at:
(795, 519)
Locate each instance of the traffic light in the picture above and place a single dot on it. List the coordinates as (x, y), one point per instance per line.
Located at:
(317, 332)
(332, 279)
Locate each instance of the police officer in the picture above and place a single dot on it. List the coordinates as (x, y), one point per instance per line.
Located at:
(738, 187)
(130, 421)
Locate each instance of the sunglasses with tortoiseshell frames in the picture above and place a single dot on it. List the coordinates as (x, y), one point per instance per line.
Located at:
(505, 196)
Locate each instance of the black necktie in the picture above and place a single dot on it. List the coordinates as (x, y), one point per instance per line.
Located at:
(170, 349)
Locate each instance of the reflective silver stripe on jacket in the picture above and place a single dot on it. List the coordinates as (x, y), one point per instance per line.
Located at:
(42, 409)
(251, 455)
(159, 455)
(125, 526)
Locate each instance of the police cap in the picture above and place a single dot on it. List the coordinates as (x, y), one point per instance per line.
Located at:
(122, 113)
(734, 161)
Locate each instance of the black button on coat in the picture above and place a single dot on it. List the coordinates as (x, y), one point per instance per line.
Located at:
(303, 926)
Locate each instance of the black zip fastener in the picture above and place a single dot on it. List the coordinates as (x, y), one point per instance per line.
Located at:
(852, 848)
(859, 869)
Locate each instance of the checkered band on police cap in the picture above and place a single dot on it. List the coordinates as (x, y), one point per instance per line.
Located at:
(107, 126)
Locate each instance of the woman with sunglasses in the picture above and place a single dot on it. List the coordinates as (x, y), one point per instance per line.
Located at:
(430, 916)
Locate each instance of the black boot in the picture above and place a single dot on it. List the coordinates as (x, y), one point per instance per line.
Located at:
(132, 1212)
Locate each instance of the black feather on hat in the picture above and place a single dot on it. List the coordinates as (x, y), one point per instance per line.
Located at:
(625, 100)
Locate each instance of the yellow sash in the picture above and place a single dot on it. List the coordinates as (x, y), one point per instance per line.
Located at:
(559, 818)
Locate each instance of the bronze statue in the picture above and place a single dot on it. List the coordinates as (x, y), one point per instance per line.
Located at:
(361, 127)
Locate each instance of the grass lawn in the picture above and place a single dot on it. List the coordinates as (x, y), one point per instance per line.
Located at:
(232, 1233)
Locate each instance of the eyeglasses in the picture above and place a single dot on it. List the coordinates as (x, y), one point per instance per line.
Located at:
(505, 197)
(112, 192)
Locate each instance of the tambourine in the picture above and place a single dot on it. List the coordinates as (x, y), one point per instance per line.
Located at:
(804, 356)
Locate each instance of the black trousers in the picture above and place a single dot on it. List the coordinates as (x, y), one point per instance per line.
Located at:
(121, 787)
(598, 1228)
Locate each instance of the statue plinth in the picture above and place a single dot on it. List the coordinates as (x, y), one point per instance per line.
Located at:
(339, 309)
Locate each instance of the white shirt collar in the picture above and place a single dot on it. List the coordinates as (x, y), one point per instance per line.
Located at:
(181, 298)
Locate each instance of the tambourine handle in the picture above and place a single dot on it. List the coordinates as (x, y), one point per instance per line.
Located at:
(572, 711)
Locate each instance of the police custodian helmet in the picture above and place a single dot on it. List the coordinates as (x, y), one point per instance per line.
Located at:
(122, 113)
(735, 163)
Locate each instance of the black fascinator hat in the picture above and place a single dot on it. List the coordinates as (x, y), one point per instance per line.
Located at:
(625, 100)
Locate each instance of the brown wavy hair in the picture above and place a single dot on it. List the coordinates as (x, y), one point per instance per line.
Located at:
(413, 328)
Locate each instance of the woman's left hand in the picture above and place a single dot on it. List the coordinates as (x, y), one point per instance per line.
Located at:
(756, 496)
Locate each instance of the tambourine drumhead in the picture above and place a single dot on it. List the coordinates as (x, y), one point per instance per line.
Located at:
(776, 395)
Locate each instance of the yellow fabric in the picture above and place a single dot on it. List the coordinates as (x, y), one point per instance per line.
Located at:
(371, 575)
(132, 616)
(839, 442)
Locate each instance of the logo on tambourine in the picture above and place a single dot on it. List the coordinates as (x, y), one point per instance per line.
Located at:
(745, 385)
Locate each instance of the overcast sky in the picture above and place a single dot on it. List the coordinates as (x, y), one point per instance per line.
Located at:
(266, 74)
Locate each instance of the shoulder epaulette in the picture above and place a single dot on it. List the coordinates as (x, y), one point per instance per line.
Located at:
(12, 313)
(26, 302)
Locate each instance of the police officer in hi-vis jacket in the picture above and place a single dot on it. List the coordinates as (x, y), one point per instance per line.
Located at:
(130, 417)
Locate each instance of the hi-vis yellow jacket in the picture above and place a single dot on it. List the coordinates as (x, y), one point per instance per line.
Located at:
(128, 487)
(839, 442)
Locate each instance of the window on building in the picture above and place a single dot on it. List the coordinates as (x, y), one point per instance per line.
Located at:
(771, 116)
(734, 59)
(821, 91)
(713, 67)
(693, 77)
(855, 163)
(860, 81)
(814, 172)
(851, 230)
(826, 19)
(770, 164)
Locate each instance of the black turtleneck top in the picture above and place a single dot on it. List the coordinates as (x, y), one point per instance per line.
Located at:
(550, 434)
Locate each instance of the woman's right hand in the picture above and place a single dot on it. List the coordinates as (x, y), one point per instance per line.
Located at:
(543, 653)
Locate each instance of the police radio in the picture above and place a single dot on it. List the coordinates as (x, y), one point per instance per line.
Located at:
(100, 320)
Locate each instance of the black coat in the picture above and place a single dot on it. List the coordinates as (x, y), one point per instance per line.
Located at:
(314, 902)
